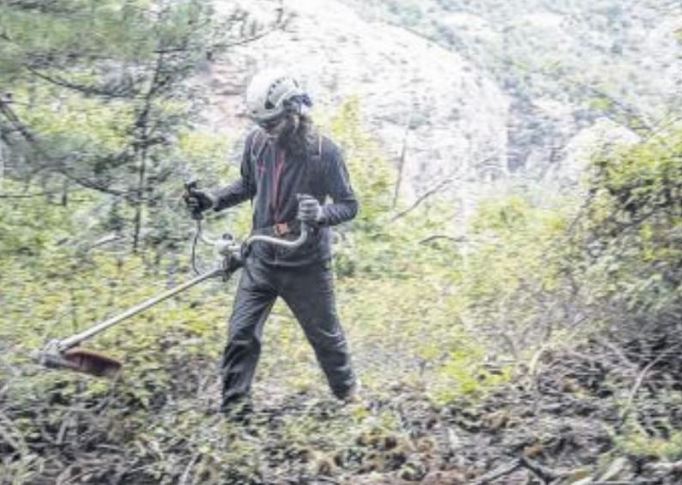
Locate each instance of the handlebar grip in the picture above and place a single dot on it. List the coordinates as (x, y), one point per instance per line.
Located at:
(190, 187)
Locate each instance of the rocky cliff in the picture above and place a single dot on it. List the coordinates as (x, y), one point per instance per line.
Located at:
(485, 91)
(412, 91)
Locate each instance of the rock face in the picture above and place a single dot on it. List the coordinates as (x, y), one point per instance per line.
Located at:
(488, 94)
(412, 91)
(588, 142)
(565, 65)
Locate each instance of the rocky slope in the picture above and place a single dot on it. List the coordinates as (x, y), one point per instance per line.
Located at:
(569, 68)
(483, 95)
(412, 91)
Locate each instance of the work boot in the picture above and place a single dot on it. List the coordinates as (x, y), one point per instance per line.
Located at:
(353, 394)
(240, 411)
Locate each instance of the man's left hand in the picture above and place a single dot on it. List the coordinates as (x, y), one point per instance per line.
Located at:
(309, 210)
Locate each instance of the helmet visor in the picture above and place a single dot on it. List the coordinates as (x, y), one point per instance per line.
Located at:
(271, 123)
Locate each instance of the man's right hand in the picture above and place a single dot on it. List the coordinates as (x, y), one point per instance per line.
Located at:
(198, 200)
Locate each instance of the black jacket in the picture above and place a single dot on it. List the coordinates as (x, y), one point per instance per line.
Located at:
(271, 180)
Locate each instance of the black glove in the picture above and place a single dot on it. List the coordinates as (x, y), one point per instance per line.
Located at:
(198, 200)
(309, 210)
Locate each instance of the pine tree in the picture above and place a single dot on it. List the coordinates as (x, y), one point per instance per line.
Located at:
(95, 92)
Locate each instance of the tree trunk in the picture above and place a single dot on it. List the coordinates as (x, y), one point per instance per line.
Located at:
(137, 222)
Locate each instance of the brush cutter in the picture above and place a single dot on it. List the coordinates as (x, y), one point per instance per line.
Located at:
(66, 354)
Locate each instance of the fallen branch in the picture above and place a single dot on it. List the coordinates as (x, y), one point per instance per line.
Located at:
(500, 472)
(638, 383)
(185, 475)
(542, 472)
(665, 467)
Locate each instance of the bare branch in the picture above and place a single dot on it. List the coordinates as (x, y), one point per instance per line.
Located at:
(88, 90)
(500, 472)
(401, 161)
(436, 237)
(14, 120)
(440, 186)
(542, 472)
(640, 380)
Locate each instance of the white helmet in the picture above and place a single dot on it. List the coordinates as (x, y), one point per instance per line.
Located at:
(270, 91)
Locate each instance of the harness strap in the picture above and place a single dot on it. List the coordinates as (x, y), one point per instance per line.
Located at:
(314, 168)
(280, 229)
(256, 154)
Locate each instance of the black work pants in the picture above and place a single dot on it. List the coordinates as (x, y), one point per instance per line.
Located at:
(309, 293)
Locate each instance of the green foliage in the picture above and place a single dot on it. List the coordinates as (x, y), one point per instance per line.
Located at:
(23, 223)
(601, 104)
(514, 258)
(395, 290)
(84, 126)
(99, 92)
(446, 317)
(463, 373)
(372, 175)
(531, 273)
(664, 443)
(374, 244)
(633, 227)
(75, 29)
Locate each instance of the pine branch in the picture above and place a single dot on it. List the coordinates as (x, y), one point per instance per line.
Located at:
(88, 90)
(14, 120)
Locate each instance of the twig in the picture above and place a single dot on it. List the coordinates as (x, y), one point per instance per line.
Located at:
(617, 352)
(87, 90)
(19, 444)
(542, 472)
(63, 429)
(188, 468)
(442, 184)
(105, 240)
(7, 438)
(422, 198)
(14, 120)
(279, 23)
(640, 381)
(27, 196)
(435, 237)
(665, 467)
(401, 162)
(500, 472)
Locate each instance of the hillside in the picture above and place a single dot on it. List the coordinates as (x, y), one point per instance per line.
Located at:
(510, 287)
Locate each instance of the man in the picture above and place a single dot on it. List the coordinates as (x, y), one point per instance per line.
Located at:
(288, 171)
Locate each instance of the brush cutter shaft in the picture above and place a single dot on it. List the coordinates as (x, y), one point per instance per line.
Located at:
(74, 340)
